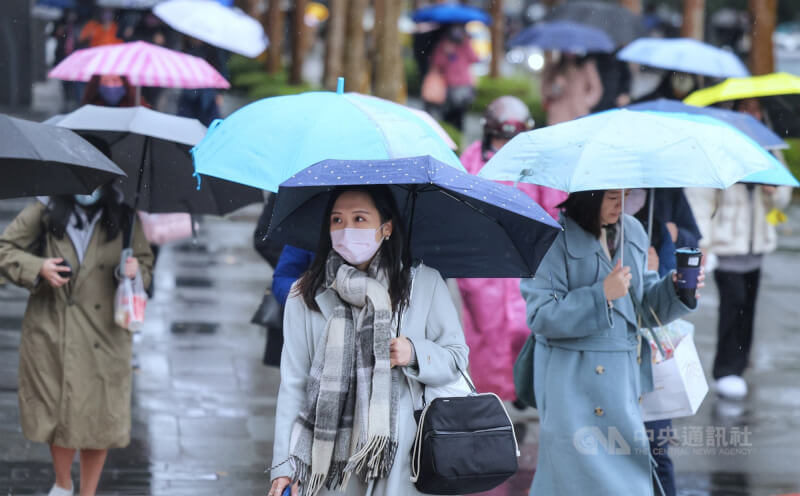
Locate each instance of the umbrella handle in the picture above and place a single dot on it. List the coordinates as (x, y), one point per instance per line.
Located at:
(125, 255)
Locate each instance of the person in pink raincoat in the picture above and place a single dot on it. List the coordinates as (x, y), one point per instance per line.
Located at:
(493, 309)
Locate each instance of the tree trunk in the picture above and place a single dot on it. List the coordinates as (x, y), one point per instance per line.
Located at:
(273, 25)
(355, 58)
(498, 41)
(634, 6)
(389, 78)
(762, 57)
(298, 42)
(693, 19)
(334, 44)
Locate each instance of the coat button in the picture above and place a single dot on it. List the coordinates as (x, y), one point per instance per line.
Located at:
(97, 307)
(96, 345)
(101, 266)
(16, 264)
(599, 412)
(599, 370)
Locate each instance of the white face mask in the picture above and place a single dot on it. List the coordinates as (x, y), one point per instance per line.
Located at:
(635, 201)
(89, 200)
(356, 246)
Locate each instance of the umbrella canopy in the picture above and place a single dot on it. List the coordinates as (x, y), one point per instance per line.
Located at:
(745, 123)
(153, 148)
(625, 149)
(622, 25)
(684, 55)
(508, 233)
(144, 64)
(779, 94)
(266, 142)
(565, 36)
(216, 24)
(450, 13)
(778, 175)
(39, 159)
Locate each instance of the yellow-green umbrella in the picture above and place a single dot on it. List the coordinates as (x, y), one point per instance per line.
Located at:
(779, 94)
(775, 84)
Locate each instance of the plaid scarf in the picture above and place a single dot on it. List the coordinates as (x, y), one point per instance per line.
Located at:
(348, 425)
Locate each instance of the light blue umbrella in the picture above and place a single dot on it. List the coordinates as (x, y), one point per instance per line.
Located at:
(268, 141)
(778, 175)
(626, 149)
(745, 123)
(684, 55)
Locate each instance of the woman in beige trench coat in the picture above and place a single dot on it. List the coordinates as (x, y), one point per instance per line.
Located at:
(75, 362)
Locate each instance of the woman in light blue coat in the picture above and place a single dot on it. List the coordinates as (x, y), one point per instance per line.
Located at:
(590, 368)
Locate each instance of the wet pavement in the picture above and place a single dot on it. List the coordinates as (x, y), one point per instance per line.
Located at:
(203, 405)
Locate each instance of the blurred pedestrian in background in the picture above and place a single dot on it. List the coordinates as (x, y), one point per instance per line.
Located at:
(74, 370)
(590, 368)
(571, 87)
(360, 280)
(451, 60)
(101, 29)
(493, 310)
(65, 32)
(615, 78)
(202, 104)
(673, 86)
(737, 231)
(109, 91)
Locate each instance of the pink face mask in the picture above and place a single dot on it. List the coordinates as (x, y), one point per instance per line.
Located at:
(356, 246)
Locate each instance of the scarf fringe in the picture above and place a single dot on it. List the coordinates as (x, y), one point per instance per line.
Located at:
(374, 460)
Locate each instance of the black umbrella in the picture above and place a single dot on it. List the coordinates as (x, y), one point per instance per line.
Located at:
(462, 225)
(153, 148)
(39, 159)
(622, 25)
(783, 112)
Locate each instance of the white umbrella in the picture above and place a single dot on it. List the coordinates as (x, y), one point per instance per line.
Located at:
(215, 24)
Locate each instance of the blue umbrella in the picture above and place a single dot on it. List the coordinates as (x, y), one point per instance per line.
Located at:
(745, 123)
(447, 13)
(625, 149)
(460, 224)
(59, 4)
(566, 36)
(684, 55)
(266, 142)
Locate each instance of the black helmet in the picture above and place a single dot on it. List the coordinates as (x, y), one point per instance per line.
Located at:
(505, 118)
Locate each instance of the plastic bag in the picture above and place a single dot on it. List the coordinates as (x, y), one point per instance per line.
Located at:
(129, 303)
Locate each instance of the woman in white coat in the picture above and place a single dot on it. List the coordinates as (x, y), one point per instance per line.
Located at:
(345, 413)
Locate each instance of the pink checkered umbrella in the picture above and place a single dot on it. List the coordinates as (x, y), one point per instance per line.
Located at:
(143, 64)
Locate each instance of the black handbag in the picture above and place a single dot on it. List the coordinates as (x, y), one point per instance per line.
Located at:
(464, 444)
(269, 313)
(523, 373)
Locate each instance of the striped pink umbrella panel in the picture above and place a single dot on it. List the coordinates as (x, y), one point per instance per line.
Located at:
(143, 63)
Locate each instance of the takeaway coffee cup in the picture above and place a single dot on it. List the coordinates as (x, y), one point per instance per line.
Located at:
(688, 272)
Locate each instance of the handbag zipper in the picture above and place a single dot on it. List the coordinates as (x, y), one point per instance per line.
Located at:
(481, 431)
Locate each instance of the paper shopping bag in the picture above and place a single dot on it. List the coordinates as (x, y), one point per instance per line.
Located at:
(679, 383)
